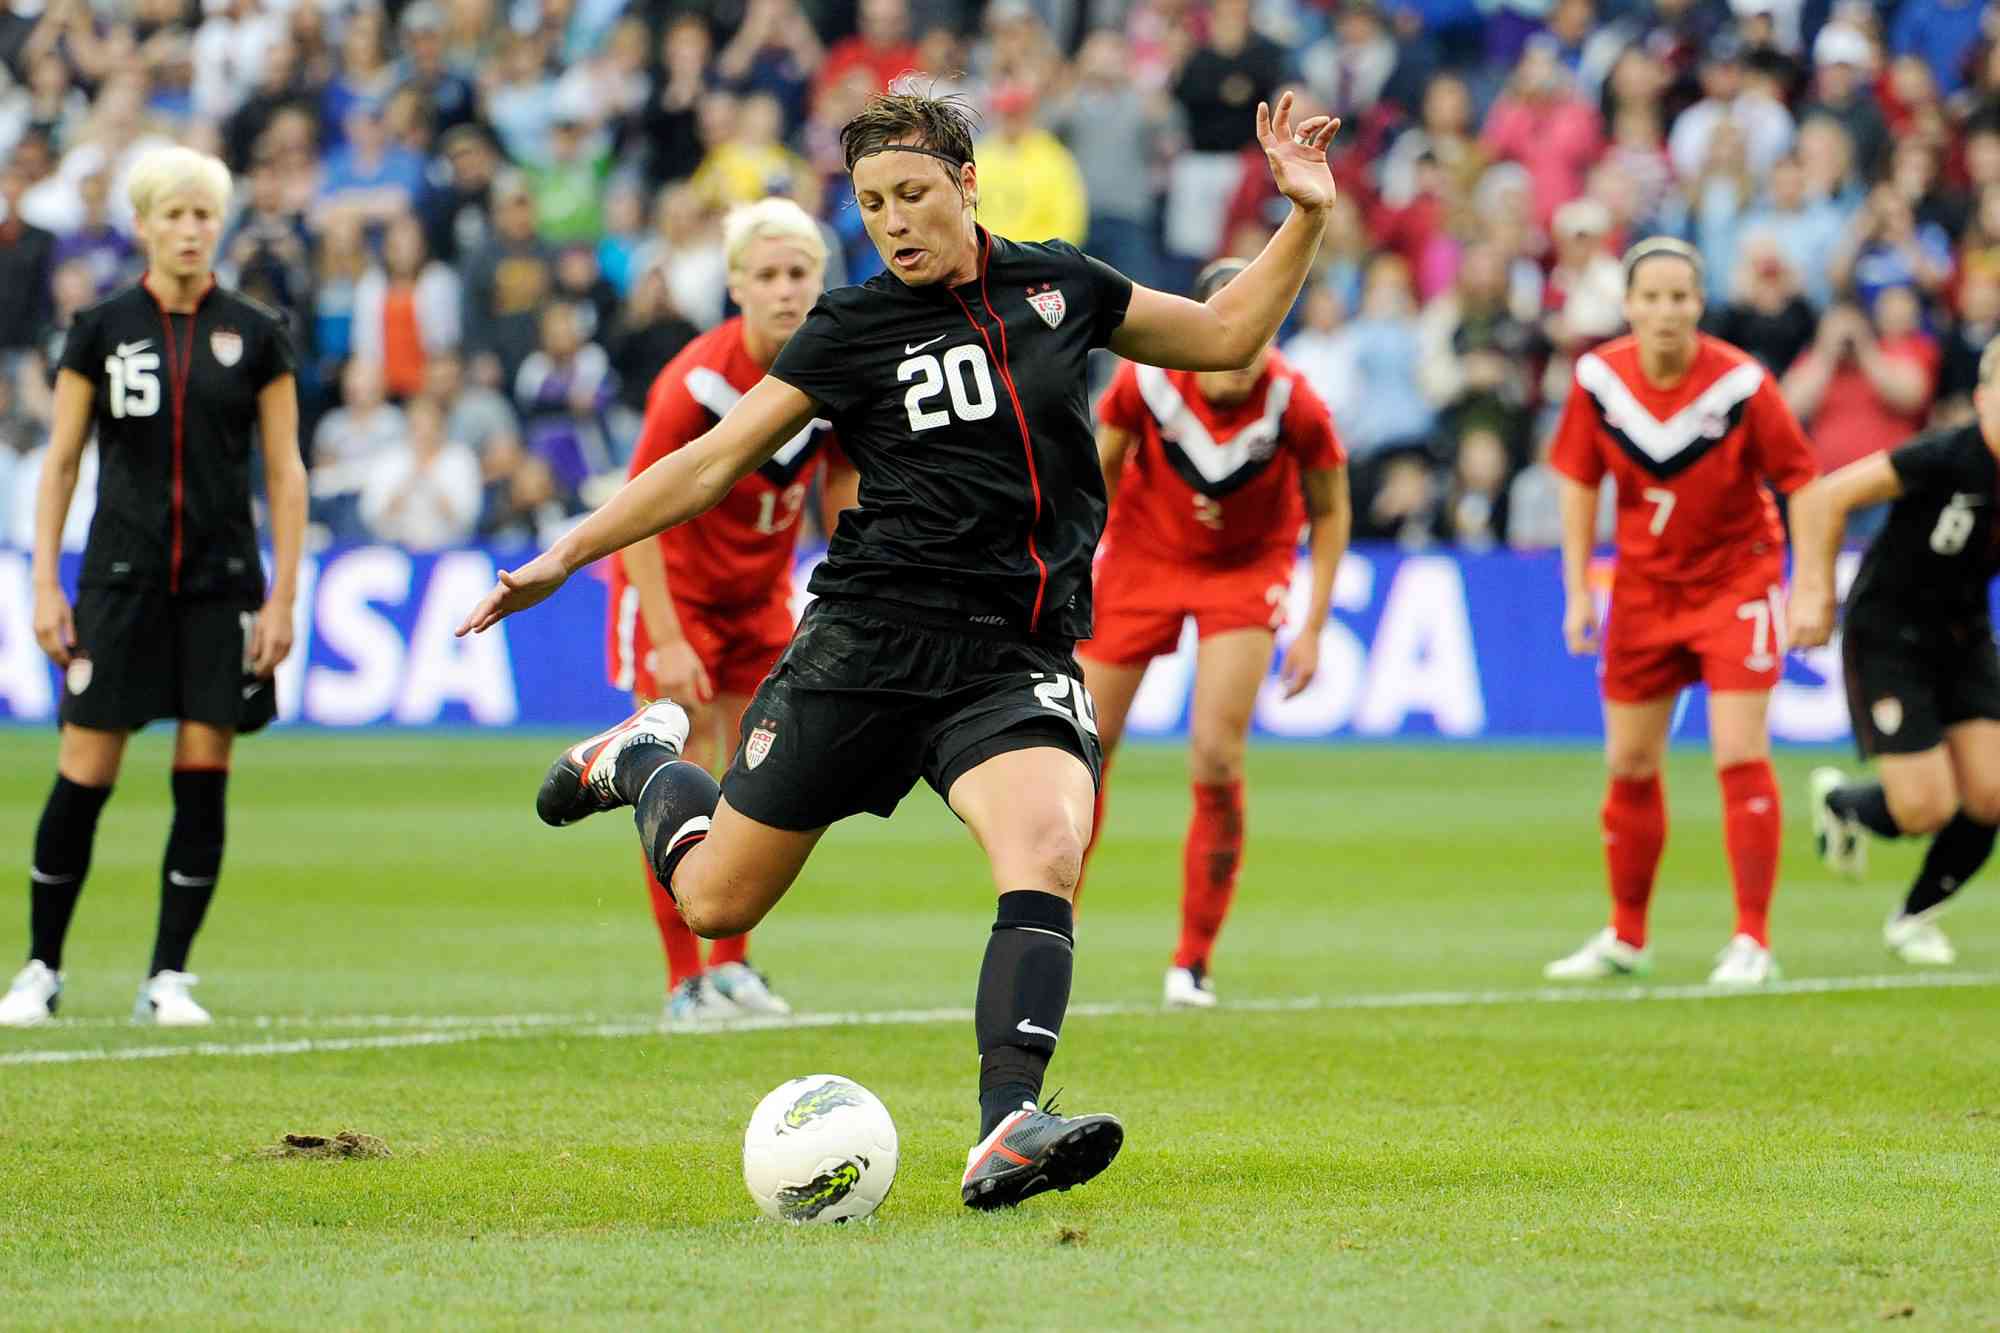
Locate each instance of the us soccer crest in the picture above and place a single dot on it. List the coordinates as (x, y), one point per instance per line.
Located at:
(227, 344)
(1049, 304)
(759, 744)
(1888, 715)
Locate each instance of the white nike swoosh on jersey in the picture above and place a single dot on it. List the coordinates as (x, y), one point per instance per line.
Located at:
(1025, 1026)
(911, 349)
(127, 349)
(249, 690)
(175, 877)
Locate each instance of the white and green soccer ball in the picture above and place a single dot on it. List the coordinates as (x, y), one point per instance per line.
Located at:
(819, 1149)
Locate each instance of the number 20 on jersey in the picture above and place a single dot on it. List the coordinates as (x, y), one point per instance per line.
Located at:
(962, 377)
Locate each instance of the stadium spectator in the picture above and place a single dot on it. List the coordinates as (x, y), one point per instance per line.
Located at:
(647, 334)
(406, 309)
(457, 205)
(363, 75)
(583, 286)
(106, 251)
(349, 442)
(367, 174)
(624, 231)
(1716, 199)
(747, 157)
(1447, 133)
(1767, 315)
(1811, 228)
(1885, 246)
(562, 393)
(424, 492)
(341, 262)
(881, 48)
(776, 51)
(1388, 355)
(1943, 33)
(275, 87)
(1635, 115)
(519, 97)
(1978, 323)
(267, 254)
(1324, 352)
(507, 281)
(1014, 46)
(1541, 123)
(1477, 355)
(1116, 132)
(569, 186)
(1843, 62)
(449, 98)
(1585, 294)
(1031, 189)
(228, 53)
(1402, 499)
(1865, 386)
(689, 251)
(1826, 154)
(1475, 502)
(1733, 93)
(26, 252)
(477, 415)
(665, 134)
(1351, 67)
(316, 61)
(52, 102)
(1217, 88)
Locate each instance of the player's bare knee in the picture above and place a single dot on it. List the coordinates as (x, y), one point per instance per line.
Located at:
(1981, 803)
(1046, 855)
(1633, 764)
(1922, 809)
(713, 911)
(1214, 762)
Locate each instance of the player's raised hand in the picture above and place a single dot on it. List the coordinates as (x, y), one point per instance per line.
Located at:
(517, 590)
(55, 626)
(1300, 664)
(1580, 624)
(1297, 154)
(1809, 617)
(680, 675)
(270, 638)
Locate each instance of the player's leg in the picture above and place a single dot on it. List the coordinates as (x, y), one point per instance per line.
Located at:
(690, 1002)
(1229, 667)
(1958, 851)
(729, 970)
(1112, 686)
(188, 871)
(1030, 810)
(1634, 820)
(87, 764)
(1752, 828)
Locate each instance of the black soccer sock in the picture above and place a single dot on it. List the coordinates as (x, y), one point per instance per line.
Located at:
(672, 803)
(1023, 994)
(1956, 854)
(62, 858)
(192, 863)
(1866, 802)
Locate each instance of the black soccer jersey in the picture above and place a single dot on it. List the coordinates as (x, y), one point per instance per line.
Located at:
(966, 414)
(1941, 546)
(175, 410)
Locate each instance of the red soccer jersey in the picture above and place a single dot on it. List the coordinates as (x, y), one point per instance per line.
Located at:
(1217, 485)
(1691, 462)
(740, 551)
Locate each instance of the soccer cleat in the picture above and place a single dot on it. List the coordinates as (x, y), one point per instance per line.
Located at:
(695, 1005)
(1189, 988)
(1917, 939)
(164, 1000)
(1033, 1151)
(1838, 837)
(1744, 962)
(1602, 955)
(582, 780)
(747, 988)
(32, 998)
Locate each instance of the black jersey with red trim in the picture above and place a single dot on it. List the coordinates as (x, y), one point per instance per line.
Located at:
(965, 411)
(174, 405)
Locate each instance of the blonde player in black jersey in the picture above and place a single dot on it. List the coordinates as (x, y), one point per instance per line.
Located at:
(177, 377)
(950, 599)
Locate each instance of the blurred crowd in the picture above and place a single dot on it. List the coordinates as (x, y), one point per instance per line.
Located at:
(491, 224)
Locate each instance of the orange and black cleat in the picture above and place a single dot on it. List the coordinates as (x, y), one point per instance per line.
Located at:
(1033, 1151)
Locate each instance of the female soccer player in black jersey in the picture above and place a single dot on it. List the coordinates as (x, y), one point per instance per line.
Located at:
(949, 601)
(177, 377)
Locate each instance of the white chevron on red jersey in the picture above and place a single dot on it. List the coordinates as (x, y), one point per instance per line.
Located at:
(708, 387)
(1218, 484)
(1694, 462)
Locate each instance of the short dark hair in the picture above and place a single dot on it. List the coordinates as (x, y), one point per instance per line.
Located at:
(1217, 276)
(940, 125)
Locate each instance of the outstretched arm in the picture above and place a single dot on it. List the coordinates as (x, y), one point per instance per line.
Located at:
(685, 483)
(1229, 330)
(1819, 513)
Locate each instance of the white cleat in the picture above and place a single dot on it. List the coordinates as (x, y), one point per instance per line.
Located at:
(695, 1005)
(1188, 988)
(1842, 842)
(164, 1001)
(1917, 939)
(32, 998)
(1602, 956)
(1744, 962)
(746, 988)
(583, 779)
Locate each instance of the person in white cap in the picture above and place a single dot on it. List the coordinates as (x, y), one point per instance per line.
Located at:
(1843, 62)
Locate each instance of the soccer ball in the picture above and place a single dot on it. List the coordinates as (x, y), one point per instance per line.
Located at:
(819, 1149)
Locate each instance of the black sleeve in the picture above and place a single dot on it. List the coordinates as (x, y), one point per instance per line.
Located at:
(812, 363)
(80, 351)
(278, 357)
(1938, 463)
(1109, 293)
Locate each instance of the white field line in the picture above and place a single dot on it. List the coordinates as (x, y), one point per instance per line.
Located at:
(449, 1030)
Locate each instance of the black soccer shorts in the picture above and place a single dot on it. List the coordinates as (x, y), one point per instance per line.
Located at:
(865, 701)
(143, 655)
(1909, 680)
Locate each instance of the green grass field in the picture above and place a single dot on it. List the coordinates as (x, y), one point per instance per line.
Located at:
(1394, 1128)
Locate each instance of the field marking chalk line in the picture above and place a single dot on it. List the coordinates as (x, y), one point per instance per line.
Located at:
(452, 1030)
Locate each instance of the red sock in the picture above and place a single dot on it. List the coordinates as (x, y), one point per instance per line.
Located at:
(735, 949)
(1208, 868)
(683, 950)
(1635, 828)
(1752, 829)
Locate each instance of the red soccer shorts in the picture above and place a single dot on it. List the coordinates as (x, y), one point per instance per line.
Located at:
(1141, 602)
(737, 645)
(1660, 637)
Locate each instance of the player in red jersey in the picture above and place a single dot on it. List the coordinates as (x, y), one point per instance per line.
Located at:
(1693, 431)
(702, 611)
(1211, 476)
